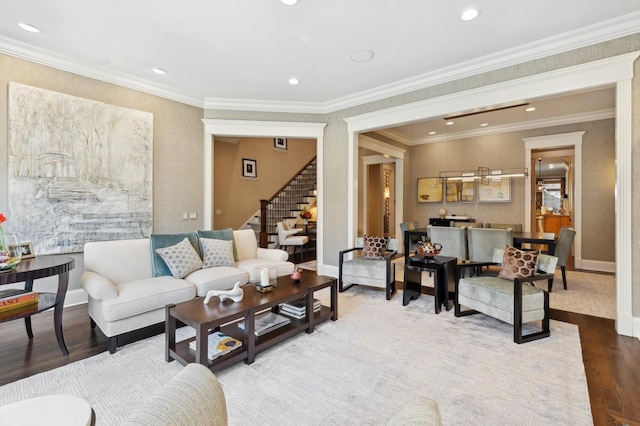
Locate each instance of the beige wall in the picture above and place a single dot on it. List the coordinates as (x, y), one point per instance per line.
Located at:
(238, 198)
(177, 141)
(177, 129)
(506, 150)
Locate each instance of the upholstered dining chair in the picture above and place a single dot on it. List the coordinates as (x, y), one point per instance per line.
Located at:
(287, 237)
(515, 227)
(366, 265)
(562, 251)
(481, 243)
(410, 226)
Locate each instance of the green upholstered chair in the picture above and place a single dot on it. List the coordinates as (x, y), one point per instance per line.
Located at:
(563, 249)
(381, 273)
(410, 226)
(512, 301)
(515, 227)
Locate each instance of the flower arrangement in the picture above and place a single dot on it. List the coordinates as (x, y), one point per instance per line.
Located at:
(3, 219)
(306, 214)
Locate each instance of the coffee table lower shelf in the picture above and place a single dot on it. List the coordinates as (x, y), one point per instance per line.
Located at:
(207, 319)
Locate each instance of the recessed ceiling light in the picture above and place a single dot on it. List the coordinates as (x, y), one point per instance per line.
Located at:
(293, 81)
(530, 109)
(28, 27)
(432, 133)
(362, 56)
(469, 14)
(449, 123)
(551, 166)
(289, 2)
(158, 70)
(484, 124)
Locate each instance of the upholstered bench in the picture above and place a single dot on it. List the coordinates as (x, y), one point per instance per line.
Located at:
(515, 301)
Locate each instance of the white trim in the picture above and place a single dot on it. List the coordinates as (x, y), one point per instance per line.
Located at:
(242, 128)
(597, 33)
(574, 140)
(76, 297)
(618, 70)
(599, 266)
(582, 37)
(492, 130)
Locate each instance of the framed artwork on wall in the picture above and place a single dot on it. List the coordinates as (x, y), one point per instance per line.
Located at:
(429, 190)
(495, 191)
(460, 192)
(280, 143)
(249, 168)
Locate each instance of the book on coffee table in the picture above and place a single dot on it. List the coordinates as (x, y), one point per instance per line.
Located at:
(266, 322)
(218, 345)
(298, 308)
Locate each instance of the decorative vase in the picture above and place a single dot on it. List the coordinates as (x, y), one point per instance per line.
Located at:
(305, 221)
(10, 251)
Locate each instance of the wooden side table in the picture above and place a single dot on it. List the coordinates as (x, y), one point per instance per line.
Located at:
(443, 269)
(41, 267)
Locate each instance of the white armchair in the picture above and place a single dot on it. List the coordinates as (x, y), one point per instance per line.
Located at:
(250, 255)
(287, 237)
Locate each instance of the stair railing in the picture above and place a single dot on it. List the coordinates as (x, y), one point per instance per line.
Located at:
(265, 220)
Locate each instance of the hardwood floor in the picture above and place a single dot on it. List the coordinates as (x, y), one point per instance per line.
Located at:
(611, 362)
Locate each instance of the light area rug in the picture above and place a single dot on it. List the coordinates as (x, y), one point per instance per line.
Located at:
(311, 265)
(587, 293)
(358, 370)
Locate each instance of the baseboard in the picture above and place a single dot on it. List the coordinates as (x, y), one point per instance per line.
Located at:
(75, 297)
(636, 327)
(595, 265)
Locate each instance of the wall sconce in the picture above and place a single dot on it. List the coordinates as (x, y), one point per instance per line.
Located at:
(387, 192)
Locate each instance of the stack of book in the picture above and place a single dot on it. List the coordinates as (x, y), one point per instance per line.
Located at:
(218, 345)
(14, 301)
(266, 322)
(298, 309)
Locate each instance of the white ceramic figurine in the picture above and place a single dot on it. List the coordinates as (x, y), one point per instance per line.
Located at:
(236, 294)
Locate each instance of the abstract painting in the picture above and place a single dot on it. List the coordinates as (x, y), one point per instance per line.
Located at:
(79, 170)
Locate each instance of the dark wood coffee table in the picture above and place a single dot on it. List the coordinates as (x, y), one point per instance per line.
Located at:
(225, 317)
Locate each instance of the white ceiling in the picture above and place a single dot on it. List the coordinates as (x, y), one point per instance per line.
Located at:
(239, 54)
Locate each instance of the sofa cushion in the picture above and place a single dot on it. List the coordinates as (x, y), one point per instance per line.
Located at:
(218, 278)
(137, 297)
(283, 267)
(182, 258)
(216, 252)
(218, 234)
(158, 266)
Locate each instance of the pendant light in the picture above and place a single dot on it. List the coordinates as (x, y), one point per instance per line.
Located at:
(540, 184)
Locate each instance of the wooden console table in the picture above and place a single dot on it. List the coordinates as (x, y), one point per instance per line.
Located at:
(41, 267)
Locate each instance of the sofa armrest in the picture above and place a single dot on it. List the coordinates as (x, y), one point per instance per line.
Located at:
(272, 254)
(97, 286)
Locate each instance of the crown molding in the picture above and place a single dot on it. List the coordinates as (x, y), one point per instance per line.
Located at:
(593, 34)
(586, 36)
(11, 47)
(525, 125)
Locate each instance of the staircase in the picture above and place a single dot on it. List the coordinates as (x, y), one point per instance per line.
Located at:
(285, 205)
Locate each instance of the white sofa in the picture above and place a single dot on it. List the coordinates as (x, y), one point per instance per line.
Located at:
(124, 294)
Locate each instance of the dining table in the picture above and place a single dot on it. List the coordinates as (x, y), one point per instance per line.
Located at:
(542, 238)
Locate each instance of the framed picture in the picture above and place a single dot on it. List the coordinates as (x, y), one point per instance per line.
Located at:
(460, 191)
(249, 168)
(26, 248)
(429, 190)
(497, 190)
(280, 143)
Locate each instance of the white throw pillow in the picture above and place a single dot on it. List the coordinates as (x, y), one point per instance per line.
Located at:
(217, 252)
(182, 259)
